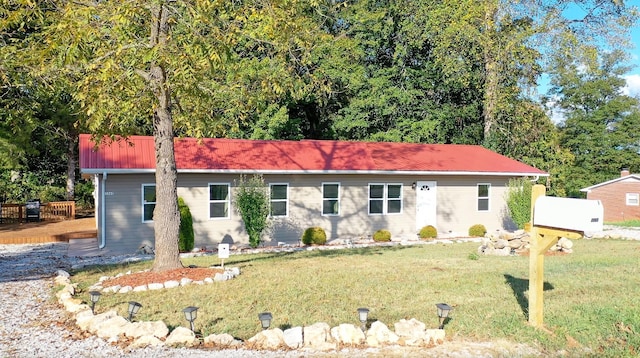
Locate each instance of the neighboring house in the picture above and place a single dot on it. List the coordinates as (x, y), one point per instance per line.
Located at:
(620, 197)
(351, 189)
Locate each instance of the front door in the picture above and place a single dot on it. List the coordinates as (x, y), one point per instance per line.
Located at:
(426, 204)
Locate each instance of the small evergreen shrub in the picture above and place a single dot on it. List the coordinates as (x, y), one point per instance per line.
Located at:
(428, 232)
(187, 237)
(477, 230)
(382, 236)
(314, 236)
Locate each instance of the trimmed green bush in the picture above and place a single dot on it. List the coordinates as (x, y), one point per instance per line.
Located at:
(252, 202)
(428, 232)
(314, 236)
(477, 230)
(187, 237)
(382, 235)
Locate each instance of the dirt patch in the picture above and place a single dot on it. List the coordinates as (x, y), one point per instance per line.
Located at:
(47, 228)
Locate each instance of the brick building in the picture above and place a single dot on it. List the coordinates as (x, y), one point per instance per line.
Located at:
(620, 197)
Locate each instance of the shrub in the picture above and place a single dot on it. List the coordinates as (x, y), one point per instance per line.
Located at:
(477, 230)
(382, 235)
(186, 241)
(473, 256)
(314, 236)
(428, 232)
(519, 201)
(252, 202)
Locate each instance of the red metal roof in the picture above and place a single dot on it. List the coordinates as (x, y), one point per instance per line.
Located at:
(137, 154)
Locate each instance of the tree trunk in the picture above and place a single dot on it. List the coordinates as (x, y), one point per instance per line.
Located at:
(492, 77)
(166, 217)
(71, 166)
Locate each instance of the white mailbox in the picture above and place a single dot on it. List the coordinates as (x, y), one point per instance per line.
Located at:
(567, 213)
(223, 251)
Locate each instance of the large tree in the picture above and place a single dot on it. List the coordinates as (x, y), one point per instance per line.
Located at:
(601, 123)
(187, 67)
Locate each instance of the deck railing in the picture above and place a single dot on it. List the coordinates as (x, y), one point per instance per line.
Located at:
(53, 211)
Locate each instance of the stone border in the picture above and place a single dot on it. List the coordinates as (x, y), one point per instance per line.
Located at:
(317, 337)
(228, 274)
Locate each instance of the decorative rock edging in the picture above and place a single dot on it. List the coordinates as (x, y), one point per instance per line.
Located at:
(228, 274)
(319, 336)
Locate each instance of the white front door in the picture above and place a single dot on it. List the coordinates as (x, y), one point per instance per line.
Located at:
(426, 203)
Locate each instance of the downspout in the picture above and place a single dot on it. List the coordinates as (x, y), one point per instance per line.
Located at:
(103, 213)
(535, 179)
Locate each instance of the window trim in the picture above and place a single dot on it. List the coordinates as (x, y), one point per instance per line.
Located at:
(227, 201)
(385, 199)
(144, 203)
(488, 197)
(630, 196)
(286, 201)
(336, 198)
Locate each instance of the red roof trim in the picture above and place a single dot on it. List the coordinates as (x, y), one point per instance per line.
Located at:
(312, 156)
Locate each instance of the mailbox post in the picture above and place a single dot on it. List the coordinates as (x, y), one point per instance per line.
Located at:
(545, 229)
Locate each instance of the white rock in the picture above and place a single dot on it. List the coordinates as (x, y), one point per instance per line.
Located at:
(145, 341)
(140, 288)
(139, 329)
(380, 334)
(96, 320)
(411, 332)
(268, 339)
(293, 337)
(125, 289)
(155, 286)
(208, 280)
(224, 340)
(317, 335)
(347, 333)
(181, 337)
(565, 243)
(112, 289)
(185, 281)
(434, 336)
(112, 328)
(171, 284)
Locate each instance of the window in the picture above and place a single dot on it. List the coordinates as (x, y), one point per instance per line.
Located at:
(385, 199)
(148, 202)
(483, 197)
(278, 199)
(330, 198)
(633, 199)
(219, 201)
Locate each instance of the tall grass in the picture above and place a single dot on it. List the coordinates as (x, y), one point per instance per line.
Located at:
(591, 296)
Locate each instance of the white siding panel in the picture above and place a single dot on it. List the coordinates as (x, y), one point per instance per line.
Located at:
(456, 208)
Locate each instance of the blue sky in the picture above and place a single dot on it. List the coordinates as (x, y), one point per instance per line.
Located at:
(633, 78)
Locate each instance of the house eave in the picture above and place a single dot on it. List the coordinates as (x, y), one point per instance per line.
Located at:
(318, 172)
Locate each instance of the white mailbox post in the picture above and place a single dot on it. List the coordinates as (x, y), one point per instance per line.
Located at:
(223, 252)
(553, 218)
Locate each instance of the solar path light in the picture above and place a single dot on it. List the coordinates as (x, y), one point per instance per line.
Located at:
(190, 314)
(265, 319)
(134, 307)
(362, 315)
(443, 313)
(95, 297)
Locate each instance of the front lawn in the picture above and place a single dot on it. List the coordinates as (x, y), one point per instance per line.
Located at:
(591, 296)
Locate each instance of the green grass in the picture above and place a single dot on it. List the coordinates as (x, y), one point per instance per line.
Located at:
(592, 297)
(627, 223)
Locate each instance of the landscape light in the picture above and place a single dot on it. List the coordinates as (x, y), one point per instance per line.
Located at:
(134, 307)
(265, 319)
(362, 315)
(95, 297)
(443, 313)
(190, 313)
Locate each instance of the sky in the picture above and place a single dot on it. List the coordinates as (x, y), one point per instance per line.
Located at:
(633, 78)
